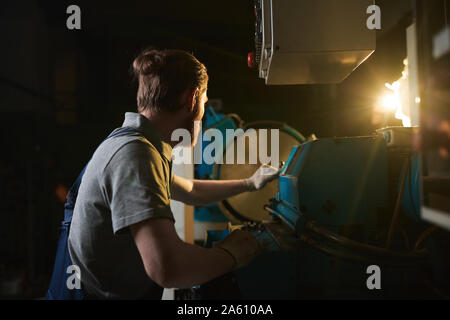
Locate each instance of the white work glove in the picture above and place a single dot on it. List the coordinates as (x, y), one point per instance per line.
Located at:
(261, 177)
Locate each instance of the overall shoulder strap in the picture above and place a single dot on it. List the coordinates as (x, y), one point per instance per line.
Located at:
(73, 192)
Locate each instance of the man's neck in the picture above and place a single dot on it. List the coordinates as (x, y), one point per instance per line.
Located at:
(164, 123)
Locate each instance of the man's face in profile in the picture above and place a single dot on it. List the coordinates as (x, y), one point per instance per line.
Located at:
(198, 112)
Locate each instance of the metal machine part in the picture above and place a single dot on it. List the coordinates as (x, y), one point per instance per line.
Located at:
(330, 218)
(242, 208)
(398, 137)
(306, 267)
(335, 182)
(310, 42)
(249, 206)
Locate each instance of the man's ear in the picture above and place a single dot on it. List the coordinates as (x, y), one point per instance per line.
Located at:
(192, 99)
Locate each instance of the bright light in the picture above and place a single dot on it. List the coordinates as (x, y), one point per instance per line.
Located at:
(418, 100)
(397, 100)
(389, 102)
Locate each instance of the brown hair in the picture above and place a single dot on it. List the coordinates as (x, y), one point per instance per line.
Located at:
(164, 76)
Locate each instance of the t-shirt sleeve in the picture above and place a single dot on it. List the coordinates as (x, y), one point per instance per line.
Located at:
(136, 186)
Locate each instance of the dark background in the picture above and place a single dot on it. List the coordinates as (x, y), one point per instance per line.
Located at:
(62, 91)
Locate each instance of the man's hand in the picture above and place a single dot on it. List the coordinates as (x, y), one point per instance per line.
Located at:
(242, 246)
(261, 177)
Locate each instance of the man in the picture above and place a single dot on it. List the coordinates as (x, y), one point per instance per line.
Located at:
(122, 235)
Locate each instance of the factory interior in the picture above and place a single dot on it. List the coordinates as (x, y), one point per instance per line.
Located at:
(358, 91)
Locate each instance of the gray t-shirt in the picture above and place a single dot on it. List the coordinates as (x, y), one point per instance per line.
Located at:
(126, 181)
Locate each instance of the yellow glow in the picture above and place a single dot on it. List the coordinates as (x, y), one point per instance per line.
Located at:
(397, 99)
(418, 100)
(389, 102)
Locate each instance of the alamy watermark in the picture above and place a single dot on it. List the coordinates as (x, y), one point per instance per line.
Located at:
(73, 22)
(374, 20)
(222, 149)
(374, 280)
(74, 279)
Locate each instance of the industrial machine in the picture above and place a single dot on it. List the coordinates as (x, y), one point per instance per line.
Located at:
(240, 208)
(341, 205)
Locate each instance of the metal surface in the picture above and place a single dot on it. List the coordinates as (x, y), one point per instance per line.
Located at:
(335, 182)
(310, 42)
(249, 206)
(329, 223)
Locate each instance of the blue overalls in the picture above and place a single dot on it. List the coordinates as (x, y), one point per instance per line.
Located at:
(58, 289)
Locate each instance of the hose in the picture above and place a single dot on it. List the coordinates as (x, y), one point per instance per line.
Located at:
(349, 243)
(388, 255)
(276, 124)
(333, 252)
(240, 122)
(349, 256)
(427, 233)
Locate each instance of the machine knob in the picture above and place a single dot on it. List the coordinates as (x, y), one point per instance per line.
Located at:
(251, 62)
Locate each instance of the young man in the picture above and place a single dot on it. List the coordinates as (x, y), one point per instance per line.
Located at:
(122, 235)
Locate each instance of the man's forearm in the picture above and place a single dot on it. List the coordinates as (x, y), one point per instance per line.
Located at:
(171, 262)
(202, 192)
(211, 191)
(194, 265)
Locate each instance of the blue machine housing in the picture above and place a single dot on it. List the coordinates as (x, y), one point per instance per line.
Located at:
(211, 213)
(335, 182)
(342, 185)
(411, 196)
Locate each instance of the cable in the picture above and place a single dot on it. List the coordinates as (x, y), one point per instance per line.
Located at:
(349, 256)
(427, 233)
(240, 122)
(405, 237)
(435, 290)
(313, 243)
(276, 124)
(351, 244)
(346, 242)
(278, 216)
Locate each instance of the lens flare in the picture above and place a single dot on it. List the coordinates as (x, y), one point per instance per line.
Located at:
(397, 100)
(389, 102)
